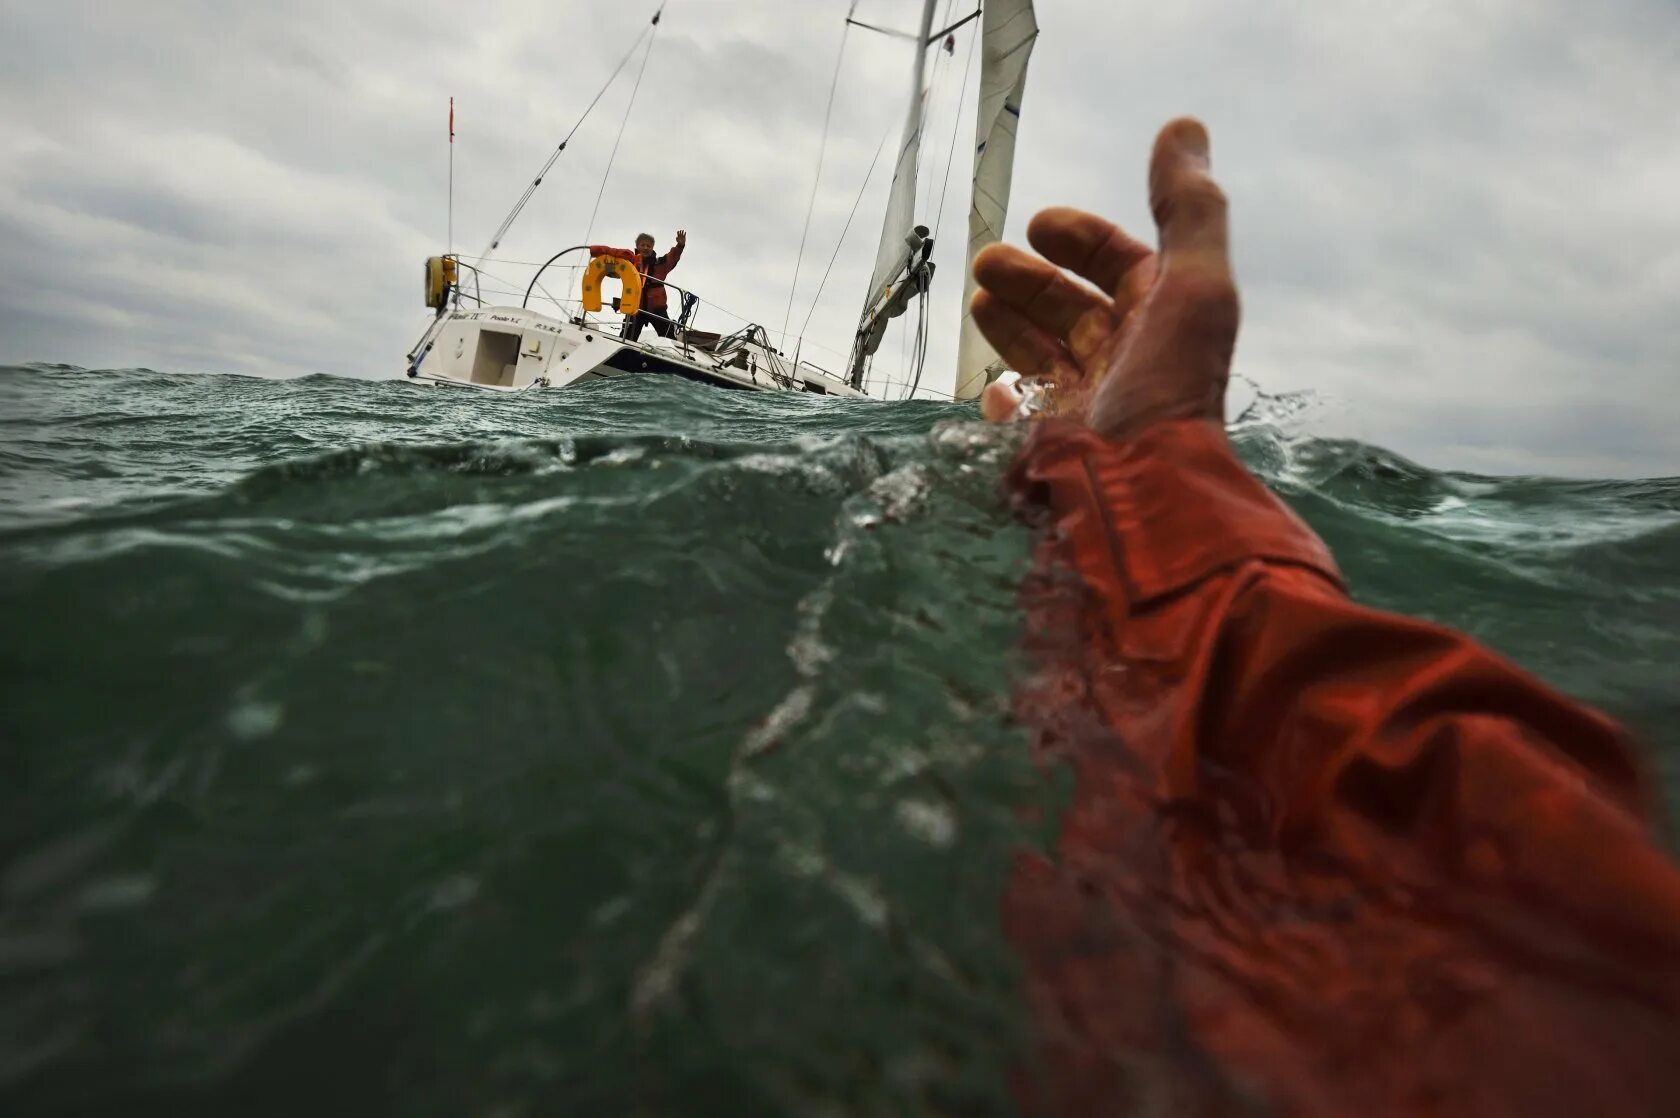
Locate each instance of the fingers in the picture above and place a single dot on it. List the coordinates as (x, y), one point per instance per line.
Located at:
(1176, 358)
(1024, 346)
(1045, 297)
(1188, 205)
(1197, 296)
(999, 402)
(1086, 245)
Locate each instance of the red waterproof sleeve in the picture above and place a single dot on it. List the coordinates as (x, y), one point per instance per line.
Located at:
(668, 261)
(1318, 858)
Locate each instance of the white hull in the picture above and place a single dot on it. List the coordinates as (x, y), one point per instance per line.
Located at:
(515, 349)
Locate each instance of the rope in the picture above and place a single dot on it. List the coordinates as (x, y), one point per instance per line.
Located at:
(599, 194)
(519, 206)
(903, 345)
(921, 344)
(879, 148)
(822, 150)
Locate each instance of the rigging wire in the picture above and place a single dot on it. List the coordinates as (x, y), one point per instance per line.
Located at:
(519, 206)
(917, 336)
(920, 357)
(599, 194)
(932, 103)
(879, 148)
(822, 151)
(950, 157)
(921, 335)
(903, 345)
(890, 383)
(576, 268)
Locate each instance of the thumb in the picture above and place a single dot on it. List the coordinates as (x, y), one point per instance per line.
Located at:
(1195, 293)
(1176, 360)
(1188, 205)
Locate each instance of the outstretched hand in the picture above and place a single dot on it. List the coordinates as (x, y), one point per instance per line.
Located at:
(682, 237)
(1154, 340)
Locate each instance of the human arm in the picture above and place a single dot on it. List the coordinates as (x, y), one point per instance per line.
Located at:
(1361, 862)
(1403, 749)
(674, 254)
(1273, 670)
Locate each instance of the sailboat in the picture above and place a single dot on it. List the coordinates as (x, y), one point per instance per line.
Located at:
(501, 347)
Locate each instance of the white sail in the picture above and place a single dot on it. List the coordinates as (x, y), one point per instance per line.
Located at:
(900, 219)
(1008, 29)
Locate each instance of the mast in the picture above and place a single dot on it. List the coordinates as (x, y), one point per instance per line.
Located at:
(902, 266)
(1008, 29)
(450, 244)
(889, 256)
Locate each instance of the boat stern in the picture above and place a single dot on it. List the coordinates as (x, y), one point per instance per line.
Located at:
(507, 349)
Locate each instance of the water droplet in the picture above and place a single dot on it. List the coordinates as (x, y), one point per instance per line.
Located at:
(126, 891)
(252, 719)
(453, 892)
(934, 824)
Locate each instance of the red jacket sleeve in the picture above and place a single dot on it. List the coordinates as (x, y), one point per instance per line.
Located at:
(668, 261)
(608, 250)
(1370, 863)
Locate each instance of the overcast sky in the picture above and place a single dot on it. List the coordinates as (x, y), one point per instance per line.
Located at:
(1458, 221)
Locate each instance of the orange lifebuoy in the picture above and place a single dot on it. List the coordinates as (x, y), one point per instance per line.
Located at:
(600, 267)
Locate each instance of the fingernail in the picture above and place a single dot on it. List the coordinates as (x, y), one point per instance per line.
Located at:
(1193, 139)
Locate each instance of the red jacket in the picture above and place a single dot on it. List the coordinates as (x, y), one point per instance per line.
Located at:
(653, 269)
(1317, 855)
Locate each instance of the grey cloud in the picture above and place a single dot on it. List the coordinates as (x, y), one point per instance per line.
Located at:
(1456, 222)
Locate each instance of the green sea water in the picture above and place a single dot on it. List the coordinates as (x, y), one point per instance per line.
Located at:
(636, 749)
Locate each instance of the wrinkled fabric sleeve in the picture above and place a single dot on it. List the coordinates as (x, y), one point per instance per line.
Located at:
(1229, 641)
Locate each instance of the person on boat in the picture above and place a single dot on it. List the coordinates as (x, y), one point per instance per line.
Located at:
(655, 308)
(1318, 859)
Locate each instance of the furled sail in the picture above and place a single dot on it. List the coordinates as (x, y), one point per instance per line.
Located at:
(902, 267)
(900, 219)
(1008, 29)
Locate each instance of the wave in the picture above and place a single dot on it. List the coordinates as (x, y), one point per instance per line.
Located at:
(594, 750)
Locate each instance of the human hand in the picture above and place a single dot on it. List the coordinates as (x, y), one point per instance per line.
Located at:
(682, 237)
(1155, 341)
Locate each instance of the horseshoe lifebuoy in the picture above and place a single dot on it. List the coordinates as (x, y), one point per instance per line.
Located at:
(600, 267)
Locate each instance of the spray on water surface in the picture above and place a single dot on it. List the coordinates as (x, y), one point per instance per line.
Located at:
(641, 748)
